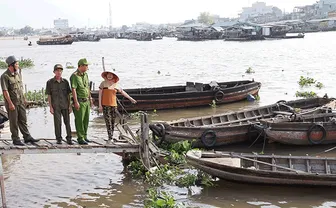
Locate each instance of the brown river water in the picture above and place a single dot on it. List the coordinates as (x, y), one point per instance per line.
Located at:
(99, 180)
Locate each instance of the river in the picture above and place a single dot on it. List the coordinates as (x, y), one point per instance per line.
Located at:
(98, 180)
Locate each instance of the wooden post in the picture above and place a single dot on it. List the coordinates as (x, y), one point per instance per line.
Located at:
(144, 140)
(2, 184)
(26, 89)
(103, 62)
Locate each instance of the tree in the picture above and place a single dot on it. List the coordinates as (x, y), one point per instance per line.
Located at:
(26, 30)
(205, 18)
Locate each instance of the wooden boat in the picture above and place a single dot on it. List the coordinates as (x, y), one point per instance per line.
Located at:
(189, 95)
(234, 127)
(63, 40)
(307, 130)
(287, 36)
(266, 169)
(249, 38)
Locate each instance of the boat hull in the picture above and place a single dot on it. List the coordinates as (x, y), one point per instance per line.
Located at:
(172, 97)
(307, 171)
(302, 133)
(55, 42)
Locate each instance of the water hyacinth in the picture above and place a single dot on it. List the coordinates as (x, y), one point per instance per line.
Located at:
(23, 63)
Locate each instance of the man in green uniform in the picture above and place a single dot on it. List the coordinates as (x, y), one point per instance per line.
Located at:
(12, 88)
(81, 100)
(58, 91)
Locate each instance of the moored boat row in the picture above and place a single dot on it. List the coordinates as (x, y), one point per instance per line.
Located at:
(228, 128)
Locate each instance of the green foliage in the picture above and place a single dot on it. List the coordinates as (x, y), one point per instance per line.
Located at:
(36, 96)
(205, 179)
(175, 158)
(257, 97)
(186, 180)
(136, 168)
(181, 147)
(69, 65)
(249, 71)
(205, 18)
(23, 63)
(26, 30)
(319, 85)
(33, 96)
(310, 94)
(165, 174)
(213, 104)
(306, 81)
(3, 65)
(26, 63)
(159, 199)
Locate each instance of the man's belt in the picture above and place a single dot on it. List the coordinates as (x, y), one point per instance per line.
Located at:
(83, 99)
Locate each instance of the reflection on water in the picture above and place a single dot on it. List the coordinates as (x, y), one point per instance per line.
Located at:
(97, 180)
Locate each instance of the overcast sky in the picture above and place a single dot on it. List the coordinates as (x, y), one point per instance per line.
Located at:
(41, 13)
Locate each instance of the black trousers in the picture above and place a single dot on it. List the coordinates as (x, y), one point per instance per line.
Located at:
(58, 113)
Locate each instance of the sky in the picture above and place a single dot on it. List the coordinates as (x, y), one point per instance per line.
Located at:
(95, 13)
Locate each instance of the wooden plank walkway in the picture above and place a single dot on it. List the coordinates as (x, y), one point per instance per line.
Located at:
(49, 146)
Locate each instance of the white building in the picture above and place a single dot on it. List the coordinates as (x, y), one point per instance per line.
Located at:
(258, 9)
(61, 24)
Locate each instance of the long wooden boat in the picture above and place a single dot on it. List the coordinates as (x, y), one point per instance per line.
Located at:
(234, 127)
(286, 37)
(250, 38)
(266, 169)
(189, 95)
(63, 40)
(307, 130)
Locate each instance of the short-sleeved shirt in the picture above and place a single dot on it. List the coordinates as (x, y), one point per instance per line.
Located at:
(109, 95)
(59, 92)
(80, 82)
(12, 83)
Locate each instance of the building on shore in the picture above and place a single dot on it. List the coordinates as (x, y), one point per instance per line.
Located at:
(61, 24)
(259, 12)
(320, 10)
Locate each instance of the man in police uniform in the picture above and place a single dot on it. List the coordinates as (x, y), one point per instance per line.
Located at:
(12, 88)
(58, 91)
(81, 100)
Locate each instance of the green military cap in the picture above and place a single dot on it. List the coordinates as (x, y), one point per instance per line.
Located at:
(82, 62)
(58, 66)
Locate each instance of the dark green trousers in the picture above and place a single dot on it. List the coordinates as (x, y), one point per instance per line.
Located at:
(58, 114)
(18, 120)
(82, 120)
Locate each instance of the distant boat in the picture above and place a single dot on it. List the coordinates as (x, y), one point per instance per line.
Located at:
(62, 40)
